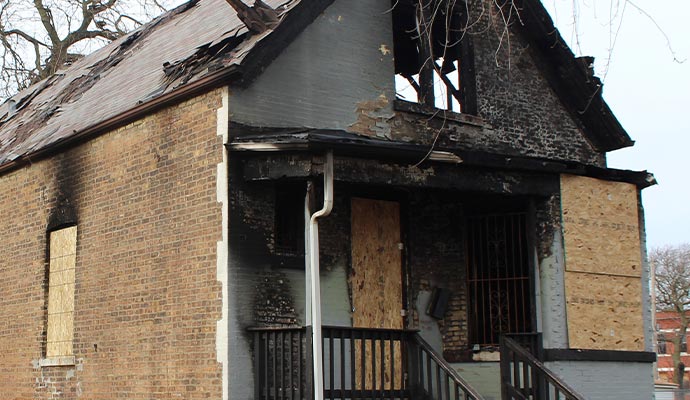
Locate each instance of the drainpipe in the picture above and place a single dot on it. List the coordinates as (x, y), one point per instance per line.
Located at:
(313, 274)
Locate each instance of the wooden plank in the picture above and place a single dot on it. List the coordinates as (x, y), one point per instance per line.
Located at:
(604, 312)
(60, 329)
(376, 282)
(376, 277)
(603, 284)
(600, 226)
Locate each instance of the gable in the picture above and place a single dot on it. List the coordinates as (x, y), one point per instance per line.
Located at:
(338, 75)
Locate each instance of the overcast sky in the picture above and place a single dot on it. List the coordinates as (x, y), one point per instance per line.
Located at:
(648, 91)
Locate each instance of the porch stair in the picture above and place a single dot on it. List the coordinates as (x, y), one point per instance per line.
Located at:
(524, 376)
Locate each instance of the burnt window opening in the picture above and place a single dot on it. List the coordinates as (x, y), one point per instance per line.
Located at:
(289, 220)
(433, 54)
(498, 277)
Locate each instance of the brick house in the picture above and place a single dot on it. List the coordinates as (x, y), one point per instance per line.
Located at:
(667, 328)
(160, 198)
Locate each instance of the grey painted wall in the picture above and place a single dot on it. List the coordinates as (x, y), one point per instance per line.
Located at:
(554, 323)
(607, 380)
(342, 59)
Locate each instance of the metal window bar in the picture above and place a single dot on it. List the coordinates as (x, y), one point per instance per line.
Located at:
(498, 277)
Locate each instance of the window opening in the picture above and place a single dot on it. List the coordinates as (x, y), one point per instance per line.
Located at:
(289, 220)
(498, 277)
(61, 278)
(661, 344)
(433, 56)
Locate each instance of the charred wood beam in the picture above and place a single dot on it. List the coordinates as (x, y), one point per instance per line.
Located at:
(272, 167)
(346, 144)
(425, 95)
(258, 18)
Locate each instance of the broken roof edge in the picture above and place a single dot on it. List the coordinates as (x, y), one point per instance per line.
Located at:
(242, 74)
(580, 92)
(216, 79)
(346, 143)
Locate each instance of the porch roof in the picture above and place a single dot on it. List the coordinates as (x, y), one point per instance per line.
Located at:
(283, 140)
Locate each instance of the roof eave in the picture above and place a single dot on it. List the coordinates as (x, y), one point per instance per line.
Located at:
(580, 93)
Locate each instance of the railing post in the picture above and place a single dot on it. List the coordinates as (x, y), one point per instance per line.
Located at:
(413, 373)
(505, 368)
(309, 370)
(257, 365)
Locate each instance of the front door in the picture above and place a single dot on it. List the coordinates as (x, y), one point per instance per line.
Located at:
(376, 282)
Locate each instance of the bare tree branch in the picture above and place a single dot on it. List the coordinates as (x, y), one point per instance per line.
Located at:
(37, 37)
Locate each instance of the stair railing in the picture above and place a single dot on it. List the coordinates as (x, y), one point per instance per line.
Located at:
(431, 377)
(524, 377)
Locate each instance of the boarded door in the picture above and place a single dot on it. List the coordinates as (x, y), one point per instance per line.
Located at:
(376, 282)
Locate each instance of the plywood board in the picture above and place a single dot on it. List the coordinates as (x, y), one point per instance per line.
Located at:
(60, 330)
(600, 226)
(376, 282)
(60, 334)
(604, 312)
(376, 277)
(603, 284)
(63, 242)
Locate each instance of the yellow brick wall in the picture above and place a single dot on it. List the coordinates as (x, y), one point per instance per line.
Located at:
(146, 296)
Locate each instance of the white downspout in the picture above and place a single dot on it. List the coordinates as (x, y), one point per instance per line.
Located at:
(315, 281)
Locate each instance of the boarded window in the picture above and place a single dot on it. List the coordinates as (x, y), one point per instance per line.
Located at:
(498, 277)
(63, 257)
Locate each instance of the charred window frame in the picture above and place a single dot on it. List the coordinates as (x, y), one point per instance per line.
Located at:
(434, 53)
(289, 220)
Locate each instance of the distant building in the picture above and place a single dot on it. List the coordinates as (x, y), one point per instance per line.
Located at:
(667, 326)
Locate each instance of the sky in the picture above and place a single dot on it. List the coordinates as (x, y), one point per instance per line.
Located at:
(647, 85)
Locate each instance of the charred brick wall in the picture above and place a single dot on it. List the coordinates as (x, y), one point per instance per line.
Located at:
(436, 260)
(515, 99)
(146, 298)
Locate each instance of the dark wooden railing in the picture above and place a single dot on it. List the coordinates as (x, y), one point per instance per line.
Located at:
(431, 377)
(524, 377)
(358, 363)
(282, 361)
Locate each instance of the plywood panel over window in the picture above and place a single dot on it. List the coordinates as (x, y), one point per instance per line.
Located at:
(603, 261)
(63, 257)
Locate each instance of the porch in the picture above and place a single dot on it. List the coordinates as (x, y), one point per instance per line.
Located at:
(364, 363)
